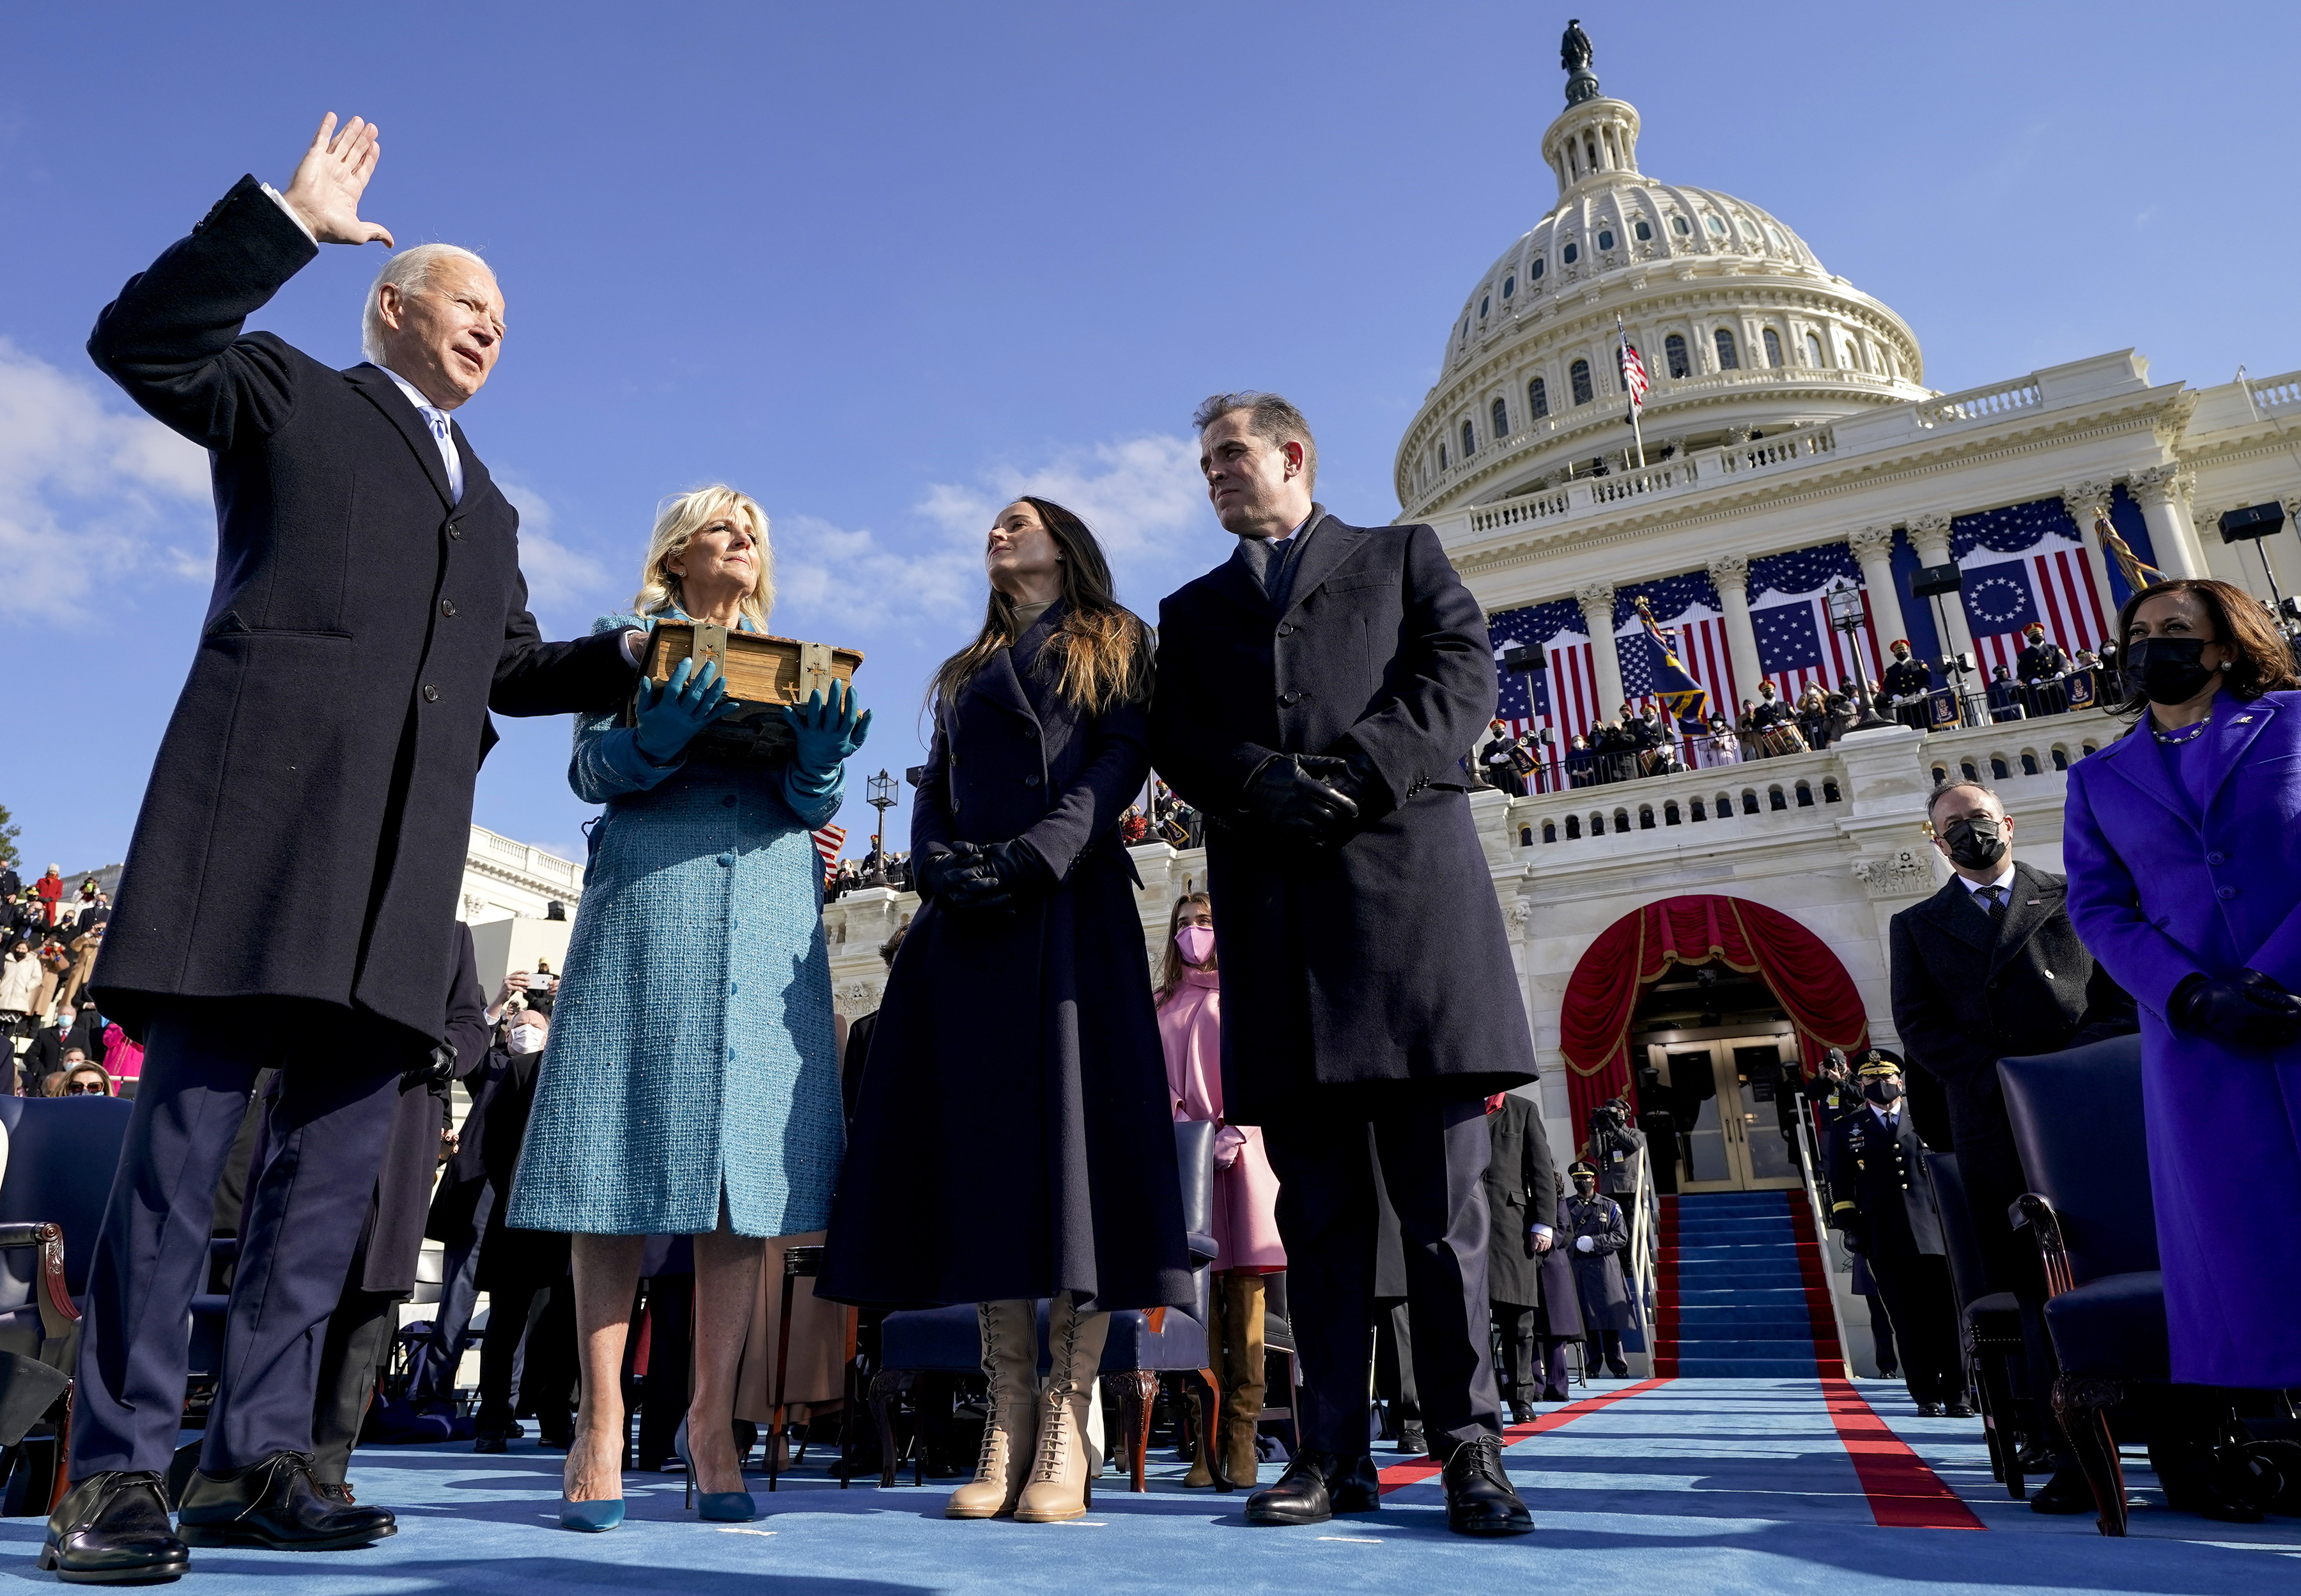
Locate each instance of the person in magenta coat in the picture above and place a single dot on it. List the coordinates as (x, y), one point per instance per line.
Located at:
(2183, 841)
(1245, 1190)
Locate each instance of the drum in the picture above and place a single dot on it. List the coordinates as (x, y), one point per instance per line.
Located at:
(1775, 741)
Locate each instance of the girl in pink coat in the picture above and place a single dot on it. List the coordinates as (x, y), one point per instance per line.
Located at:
(1245, 1192)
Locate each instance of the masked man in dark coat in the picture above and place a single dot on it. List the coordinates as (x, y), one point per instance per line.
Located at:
(1317, 693)
(1522, 1216)
(1598, 1233)
(292, 879)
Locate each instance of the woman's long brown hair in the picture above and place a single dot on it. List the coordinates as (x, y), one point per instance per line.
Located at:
(1172, 969)
(2263, 663)
(1100, 652)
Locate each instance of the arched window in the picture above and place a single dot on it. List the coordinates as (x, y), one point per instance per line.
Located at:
(1469, 440)
(1749, 800)
(1573, 828)
(1485, 301)
(1699, 813)
(1670, 816)
(1727, 360)
(1533, 273)
(1606, 239)
(1673, 353)
(1643, 230)
(1571, 253)
(1812, 350)
(1773, 347)
(1550, 828)
(1853, 358)
(1776, 798)
(1537, 398)
(1509, 285)
(1501, 419)
(1805, 795)
(1829, 793)
(2029, 764)
(1443, 462)
(1997, 767)
(1681, 226)
(1579, 374)
(1646, 817)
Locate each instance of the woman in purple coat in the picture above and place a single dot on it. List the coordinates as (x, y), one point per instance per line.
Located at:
(2183, 841)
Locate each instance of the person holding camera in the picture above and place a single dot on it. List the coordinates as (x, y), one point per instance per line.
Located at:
(1613, 1150)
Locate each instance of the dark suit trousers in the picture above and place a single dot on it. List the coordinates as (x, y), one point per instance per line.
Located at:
(1434, 1162)
(302, 1222)
(1916, 1288)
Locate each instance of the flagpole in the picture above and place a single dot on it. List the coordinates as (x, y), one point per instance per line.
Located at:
(1622, 366)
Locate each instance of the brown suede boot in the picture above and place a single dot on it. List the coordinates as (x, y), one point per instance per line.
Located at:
(1011, 1419)
(1201, 1476)
(1244, 1383)
(1062, 1480)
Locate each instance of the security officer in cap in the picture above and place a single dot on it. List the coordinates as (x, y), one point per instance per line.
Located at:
(1905, 684)
(1597, 1236)
(1880, 1198)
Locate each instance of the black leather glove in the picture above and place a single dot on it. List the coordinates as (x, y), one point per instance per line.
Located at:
(1288, 796)
(1007, 871)
(1856, 1231)
(2245, 1010)
(945, 875)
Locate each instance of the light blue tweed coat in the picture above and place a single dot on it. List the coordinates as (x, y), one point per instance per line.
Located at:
(691, 1049)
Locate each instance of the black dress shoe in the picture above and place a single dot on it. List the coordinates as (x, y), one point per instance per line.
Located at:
(1930, 1410)
(2066, 1492)
(1958, 1409)
(491, 1440)
(1521, 1413)
(2038, 1457)
(1315, 1487)
(1479, 1497)
(275, 1503)
(1412, 1439)
(113, 1530)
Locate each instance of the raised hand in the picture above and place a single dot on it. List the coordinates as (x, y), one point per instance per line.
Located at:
(329, 181)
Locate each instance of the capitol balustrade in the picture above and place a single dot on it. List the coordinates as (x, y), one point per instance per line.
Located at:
(1603, 494)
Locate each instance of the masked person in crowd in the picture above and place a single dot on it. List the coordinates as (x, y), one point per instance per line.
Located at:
(1014, 1139)
(1904, 685)
(671, 1103)
(1881, 1201)
(1317, 693)
(1522, 1228)
(2184, 864)
(1245, 1192)
(1597, 1232)
(1990, 967)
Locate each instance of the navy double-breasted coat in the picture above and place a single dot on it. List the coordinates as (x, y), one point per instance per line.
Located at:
(305, 830)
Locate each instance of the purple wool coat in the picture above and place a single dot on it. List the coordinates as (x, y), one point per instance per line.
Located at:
(2158, 891)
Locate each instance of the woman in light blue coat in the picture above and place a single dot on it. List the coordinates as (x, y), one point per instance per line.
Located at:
(691, 1083)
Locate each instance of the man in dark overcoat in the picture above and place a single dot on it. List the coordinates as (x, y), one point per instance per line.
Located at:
(1522, 1224)
(1597, 1233)
(1990, 967)
(1882, 1202)
(1317, 693)
(301, 843)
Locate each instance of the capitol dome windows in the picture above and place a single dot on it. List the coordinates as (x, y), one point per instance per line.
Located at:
(1774, 237)
(1578, 373)
(1641, 230)
(1749, 230)
(1500, 419)
(1536, 268)
(1681, 227)
(1728, 358)
(1812, 350)
(1571, 253)
(1606, 239)
(1509, 285)
(1773, 347)
(1484, 301)
(1537, 398)
(1469, 440)
(1673, 354)
(1717, 226)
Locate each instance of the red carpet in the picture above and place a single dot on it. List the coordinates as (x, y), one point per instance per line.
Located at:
(1904, 1494)
(1422, 1468)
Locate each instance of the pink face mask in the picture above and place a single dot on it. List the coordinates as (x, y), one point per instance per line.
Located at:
(1197, 943)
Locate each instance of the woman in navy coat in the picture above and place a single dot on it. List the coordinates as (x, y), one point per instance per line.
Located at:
(2183, 841)
(1012, 1138)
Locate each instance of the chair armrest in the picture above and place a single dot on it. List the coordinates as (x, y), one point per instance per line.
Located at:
(58, 1313)
(2033, 1212)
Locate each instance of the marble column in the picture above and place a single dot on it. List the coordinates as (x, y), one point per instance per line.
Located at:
(1597, 602)
(1873, 551)
(1930, 536)
(1730, 573)
(2085, 502)
(2162, 492)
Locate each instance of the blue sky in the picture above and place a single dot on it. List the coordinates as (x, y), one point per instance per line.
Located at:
(884, 266)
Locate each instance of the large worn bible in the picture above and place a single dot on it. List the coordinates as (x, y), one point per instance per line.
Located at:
(763, 674)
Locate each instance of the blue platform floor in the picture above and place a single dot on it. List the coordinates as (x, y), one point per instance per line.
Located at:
(1693, 1485)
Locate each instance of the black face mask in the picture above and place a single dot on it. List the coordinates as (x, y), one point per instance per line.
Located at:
(1976, 841)
(1585, 1185)
(2167, 670)
(1882, 1092)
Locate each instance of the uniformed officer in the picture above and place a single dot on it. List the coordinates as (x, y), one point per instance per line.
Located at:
(1905, 684)
(1881, 1201)
(1614, 1147)
(1597, 1236)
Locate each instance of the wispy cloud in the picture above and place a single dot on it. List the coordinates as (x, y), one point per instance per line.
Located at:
(90, 494)
(561, 578)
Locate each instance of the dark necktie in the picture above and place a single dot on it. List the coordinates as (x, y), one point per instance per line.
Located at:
(1262, 560)
(1997, 897)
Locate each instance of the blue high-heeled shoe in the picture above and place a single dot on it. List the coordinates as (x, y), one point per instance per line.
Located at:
(720, 1506)
(592, 1517)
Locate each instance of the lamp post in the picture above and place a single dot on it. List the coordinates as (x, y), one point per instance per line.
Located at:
(1848, 612)
(881, 788)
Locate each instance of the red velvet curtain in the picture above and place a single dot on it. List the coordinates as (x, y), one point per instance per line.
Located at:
(1805, 977)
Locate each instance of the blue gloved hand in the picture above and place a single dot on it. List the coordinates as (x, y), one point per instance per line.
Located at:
(670, 712)
(826, 730)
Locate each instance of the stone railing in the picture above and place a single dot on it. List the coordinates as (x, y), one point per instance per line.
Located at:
(1605, 495)
(1980, 404)
(2277, 393)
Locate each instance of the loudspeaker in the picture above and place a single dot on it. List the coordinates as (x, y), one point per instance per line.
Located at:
(916, 774)
(1930, 580)
(1524, 656)
(2255, 520)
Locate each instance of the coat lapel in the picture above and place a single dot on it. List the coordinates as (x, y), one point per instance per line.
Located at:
(998, 681)
(1952, 912)
(385, 395)
(2034, 903)
(2236, 723)
(1233, 580)
(2134, 756)
(1333, 544)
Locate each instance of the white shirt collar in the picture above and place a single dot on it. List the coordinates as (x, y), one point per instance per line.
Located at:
(2005, 880)
(436, 420)
(1306, 520)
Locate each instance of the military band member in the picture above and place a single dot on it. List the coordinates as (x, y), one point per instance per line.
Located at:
(1906, 683)
(1883, 1203)
(1598, 1233)
(1769, 711)
(1495, 760)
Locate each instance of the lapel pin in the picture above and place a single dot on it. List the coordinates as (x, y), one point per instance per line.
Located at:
(2033, 903)
(2245, 720)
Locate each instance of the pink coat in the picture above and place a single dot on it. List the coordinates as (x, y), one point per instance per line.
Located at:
(123, 1060)
(1246, 1191)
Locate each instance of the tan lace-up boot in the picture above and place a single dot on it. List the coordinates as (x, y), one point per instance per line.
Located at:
(1011, 1419)
(1244, 1382)
(1062, 1479)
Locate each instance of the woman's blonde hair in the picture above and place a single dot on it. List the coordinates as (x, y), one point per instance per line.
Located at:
(676, 522)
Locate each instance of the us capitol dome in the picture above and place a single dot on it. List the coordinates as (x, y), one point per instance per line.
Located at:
(1742, 331)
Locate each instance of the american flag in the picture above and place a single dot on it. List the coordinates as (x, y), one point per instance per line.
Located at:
(2023, 564)
(1796, 645)
(1563, 697)
(1634, 374)
(828, 842)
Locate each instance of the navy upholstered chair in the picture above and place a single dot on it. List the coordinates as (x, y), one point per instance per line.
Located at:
(1141, 1345)
(1989, 1322)
(61, 1155)
(2078, 1121)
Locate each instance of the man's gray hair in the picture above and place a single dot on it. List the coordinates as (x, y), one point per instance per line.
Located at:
(408, 271)
(1934, 798)
(1268, 417)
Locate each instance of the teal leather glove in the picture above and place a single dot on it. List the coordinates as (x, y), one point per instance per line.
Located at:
(827, 731)
(670, 712)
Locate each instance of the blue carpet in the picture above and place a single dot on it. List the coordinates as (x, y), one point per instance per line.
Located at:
(1696, 1485)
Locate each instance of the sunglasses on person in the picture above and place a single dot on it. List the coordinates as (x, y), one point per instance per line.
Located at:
(75, 1088)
